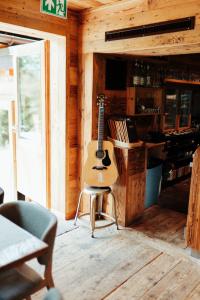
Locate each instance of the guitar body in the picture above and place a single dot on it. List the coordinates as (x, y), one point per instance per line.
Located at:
(100, 172)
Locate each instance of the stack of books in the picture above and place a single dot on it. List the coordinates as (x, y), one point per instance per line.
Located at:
(123, 129)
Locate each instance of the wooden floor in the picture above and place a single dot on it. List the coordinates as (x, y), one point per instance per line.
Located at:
(127, 264)
(164, 224)
(176, 196)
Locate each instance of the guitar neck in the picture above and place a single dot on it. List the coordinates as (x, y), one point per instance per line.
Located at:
(101, 128)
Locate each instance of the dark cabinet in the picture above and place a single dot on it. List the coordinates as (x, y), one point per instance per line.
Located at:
(177, 109)
(185, 99)
(170, 109)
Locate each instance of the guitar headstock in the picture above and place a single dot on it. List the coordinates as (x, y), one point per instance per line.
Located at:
(101, 100)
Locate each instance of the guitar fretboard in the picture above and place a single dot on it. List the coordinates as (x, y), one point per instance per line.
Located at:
(100, 128)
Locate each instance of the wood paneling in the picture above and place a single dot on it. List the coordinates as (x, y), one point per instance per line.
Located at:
(193, 222)
(126, 14)
(85, 4)
(72, 121)
(27, 14)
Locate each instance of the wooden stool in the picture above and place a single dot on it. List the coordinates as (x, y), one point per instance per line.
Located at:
(94, 194)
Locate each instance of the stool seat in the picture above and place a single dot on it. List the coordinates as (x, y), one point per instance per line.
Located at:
(96, 197)
(96, 190)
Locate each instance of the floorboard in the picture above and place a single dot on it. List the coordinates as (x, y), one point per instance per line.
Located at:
(195, 294)
(177, 284)
(131, 263)
(144, 280)
(164, 224)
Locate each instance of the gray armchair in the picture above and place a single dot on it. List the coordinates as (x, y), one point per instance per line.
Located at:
(21, 282)
(1, 195)
(53, 294)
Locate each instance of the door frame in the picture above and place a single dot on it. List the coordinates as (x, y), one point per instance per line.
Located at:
(41, 48)
(9, 105)
(57, 111)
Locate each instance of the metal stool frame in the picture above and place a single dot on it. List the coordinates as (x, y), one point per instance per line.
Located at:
(93, 194)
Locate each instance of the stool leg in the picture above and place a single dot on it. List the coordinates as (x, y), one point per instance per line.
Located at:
(77, 210)
(115, 210)
(92, 213)
(100, 205)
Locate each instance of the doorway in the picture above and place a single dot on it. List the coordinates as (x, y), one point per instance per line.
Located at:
(168, 127)
(27, 76)
(171, 141)
(38, 80)
(7, 150)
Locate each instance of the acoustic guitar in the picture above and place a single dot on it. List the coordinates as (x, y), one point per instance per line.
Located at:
(100, 169)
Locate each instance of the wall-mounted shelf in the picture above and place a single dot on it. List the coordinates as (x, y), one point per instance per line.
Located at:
(175, 181)
(153, 145)
(179, 81)
(149, 97)
(145, 114)
(120, 144)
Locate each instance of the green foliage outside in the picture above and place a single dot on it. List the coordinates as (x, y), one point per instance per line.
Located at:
(29, 104)
(4, 129)
(29, 74)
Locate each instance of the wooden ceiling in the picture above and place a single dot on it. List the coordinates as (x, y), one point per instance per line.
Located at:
(85, 4)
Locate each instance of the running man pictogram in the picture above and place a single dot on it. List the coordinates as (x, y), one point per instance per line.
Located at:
(60, 7)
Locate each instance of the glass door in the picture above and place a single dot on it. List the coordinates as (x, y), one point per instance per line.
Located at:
(185, 99)
(171, 107)
(32, 141)
(7, 129)
(7, 150)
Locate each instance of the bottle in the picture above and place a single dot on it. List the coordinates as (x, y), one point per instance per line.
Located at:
(136, 75)
(148, 76)
(142, 74)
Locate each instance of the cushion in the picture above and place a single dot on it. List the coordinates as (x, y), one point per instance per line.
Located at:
(1, 195)
(53, 294)
(17, 283)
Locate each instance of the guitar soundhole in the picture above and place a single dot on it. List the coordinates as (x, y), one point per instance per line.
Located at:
(100, 154)
(106, 161)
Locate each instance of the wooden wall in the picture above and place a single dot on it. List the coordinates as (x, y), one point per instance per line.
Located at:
(73, 121)
(129, 13)
(116, 99)
(27, 14)
(124, 14)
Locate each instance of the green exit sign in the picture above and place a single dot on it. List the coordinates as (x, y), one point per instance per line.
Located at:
(57, 8)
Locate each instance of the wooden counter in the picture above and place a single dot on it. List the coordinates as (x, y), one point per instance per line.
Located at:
(129, 189)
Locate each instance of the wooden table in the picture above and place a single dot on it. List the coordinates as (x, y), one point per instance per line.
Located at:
(17, 245)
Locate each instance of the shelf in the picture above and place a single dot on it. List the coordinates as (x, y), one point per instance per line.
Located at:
(120, 144)
(145, 87)
(168, 183)
(146, 114)
(176, 160)
(153, 145)
(179, 81)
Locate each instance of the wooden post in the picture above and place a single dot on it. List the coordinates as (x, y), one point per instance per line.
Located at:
(193, 220)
